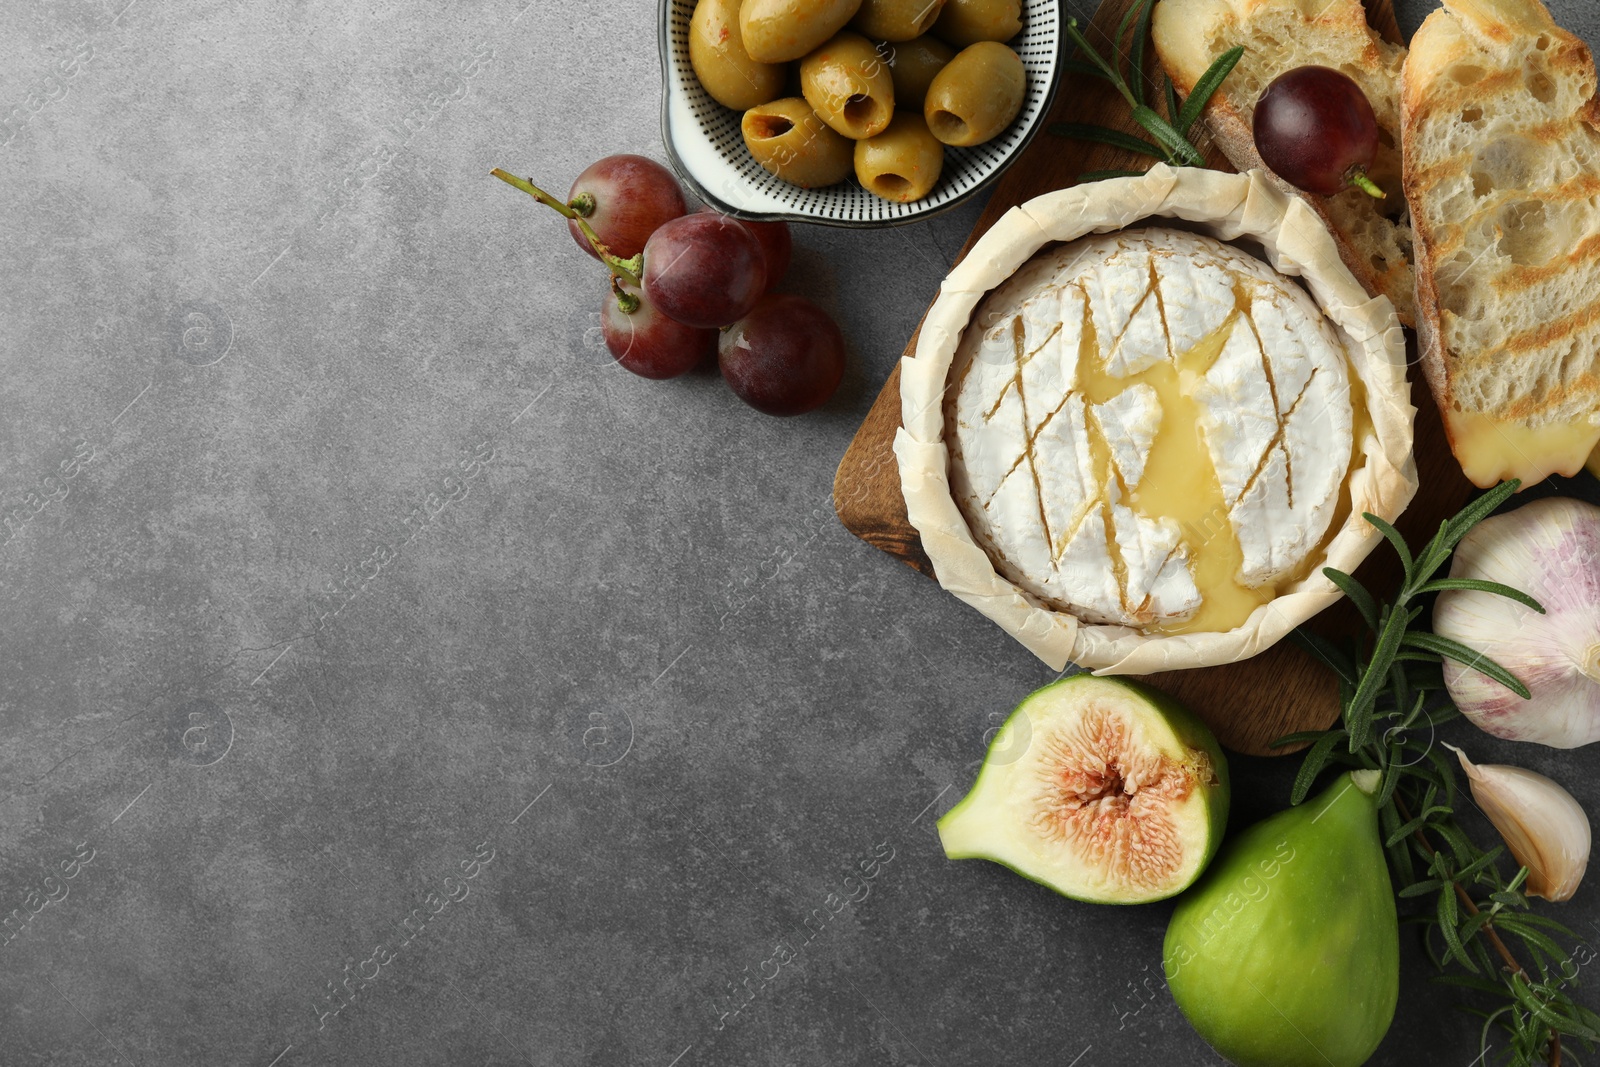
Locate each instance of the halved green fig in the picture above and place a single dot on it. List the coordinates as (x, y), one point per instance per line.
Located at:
(1287, 953)
(1100, 788)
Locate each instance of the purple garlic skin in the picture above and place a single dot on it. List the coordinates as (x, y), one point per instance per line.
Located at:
(1549, 549)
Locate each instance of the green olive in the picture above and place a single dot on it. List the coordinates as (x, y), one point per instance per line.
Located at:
(787, 138)
(965, 22)
(849, 86)
(903, 162)
(913, 66)
(725, 69)
(776, 31)
(896, 20)
(976, 95)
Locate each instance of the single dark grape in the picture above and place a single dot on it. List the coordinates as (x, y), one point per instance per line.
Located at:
(648, 343)
(704, 270)
(632, 197)
(777, 246)
(785, 358)
(1315, 128)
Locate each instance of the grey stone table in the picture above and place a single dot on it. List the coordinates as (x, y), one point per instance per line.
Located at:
(405, 684)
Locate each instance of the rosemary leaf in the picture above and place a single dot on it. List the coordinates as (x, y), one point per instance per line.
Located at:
(1399, 854)
(1174, 142)
(1482, 985)
(1482, 862)
(1326, 651)
(1080, 131)
(1439, 585)
(1449, 909)
(1102, 175)
(1078, 66)
(1171, 145)
(1305, 736)
(1365, 700)
(1106, 69)
(1141, 31)
(1357, 593)
(1391, 775)
(1315, 761)
(1451, 533)
(1452, 649)
(1392, 535)
(1206, 87)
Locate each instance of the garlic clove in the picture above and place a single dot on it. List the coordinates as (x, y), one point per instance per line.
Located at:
(1549, 549)
(1543, 826)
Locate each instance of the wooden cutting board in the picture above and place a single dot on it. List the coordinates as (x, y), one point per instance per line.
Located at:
(1247, 704)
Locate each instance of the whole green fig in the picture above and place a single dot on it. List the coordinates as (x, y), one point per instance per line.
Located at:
(1287, 952)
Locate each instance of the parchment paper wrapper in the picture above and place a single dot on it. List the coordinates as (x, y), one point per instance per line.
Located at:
(1230, 207)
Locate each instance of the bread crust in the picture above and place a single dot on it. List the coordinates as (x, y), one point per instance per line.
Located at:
(1187, 33)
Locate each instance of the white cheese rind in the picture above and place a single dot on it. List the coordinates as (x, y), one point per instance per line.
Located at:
(1129, 422)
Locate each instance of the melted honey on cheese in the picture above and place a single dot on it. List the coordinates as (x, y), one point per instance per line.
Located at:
(1180, 482)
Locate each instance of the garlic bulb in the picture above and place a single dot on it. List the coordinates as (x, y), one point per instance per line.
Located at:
(1549, 549)
(1543, 826)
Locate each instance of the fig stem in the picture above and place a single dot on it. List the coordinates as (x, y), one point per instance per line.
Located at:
(629, 270)
(1358, 178)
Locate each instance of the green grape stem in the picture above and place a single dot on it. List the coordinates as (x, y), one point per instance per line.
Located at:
(627, 302)
(627, 270)
(1358, 178)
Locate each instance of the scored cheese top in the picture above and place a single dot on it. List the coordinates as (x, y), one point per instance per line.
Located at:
(1233, 208)
(1152, 429)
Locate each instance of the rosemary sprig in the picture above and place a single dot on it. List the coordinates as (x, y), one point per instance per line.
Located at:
(1170, 133)
(1477, 925)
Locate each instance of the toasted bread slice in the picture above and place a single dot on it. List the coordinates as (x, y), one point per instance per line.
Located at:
(1502, 168)
(1374, 235)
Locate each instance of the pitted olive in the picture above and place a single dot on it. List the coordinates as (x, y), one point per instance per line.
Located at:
(787, 138)
(776, 31)
(847, 83)
(896, 20)
(903, 162)
(964, 22)
(912, 67)
(976, 95)
(725, 69)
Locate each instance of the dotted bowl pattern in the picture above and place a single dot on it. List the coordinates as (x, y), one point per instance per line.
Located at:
(704, 142)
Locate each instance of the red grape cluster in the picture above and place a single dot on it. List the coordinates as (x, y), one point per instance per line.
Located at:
(683, 285)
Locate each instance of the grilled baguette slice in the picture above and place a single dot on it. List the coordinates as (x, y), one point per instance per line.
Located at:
(1502, 168)
(1374, 236)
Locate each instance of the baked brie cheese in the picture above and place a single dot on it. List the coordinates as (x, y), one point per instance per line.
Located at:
(1153, 432)
(1136, 445)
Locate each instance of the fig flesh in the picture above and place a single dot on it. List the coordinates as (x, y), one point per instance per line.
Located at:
(1100, 788)
(1287, 953)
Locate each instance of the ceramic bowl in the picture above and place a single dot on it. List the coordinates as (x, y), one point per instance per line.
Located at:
(707, 150)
